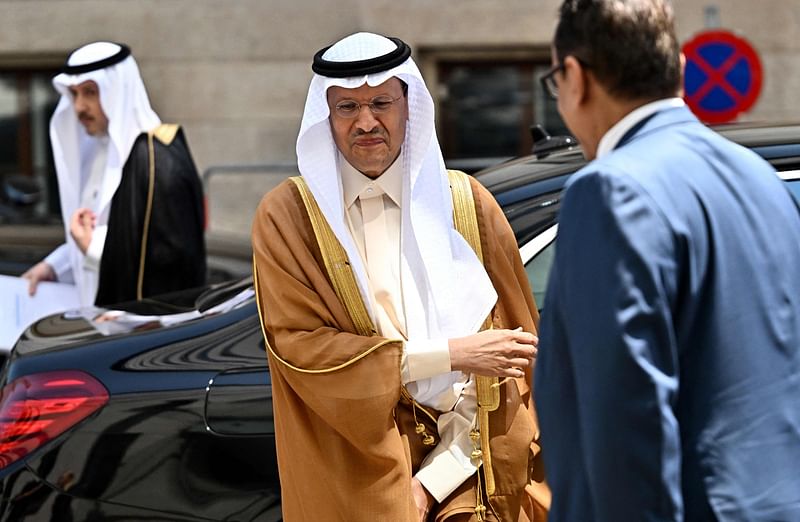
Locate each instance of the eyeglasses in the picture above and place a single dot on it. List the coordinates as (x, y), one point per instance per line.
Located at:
(548, 80)
(378, 105)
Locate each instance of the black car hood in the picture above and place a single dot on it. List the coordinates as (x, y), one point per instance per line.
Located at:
(93, 323)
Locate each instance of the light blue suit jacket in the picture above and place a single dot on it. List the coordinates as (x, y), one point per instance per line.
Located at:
(668, 377)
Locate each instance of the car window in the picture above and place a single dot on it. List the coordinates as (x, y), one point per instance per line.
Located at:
(537, 256)
(794, 187)
(792, 179)
(538, 270)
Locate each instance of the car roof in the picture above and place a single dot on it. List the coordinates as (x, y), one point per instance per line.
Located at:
(510, 181)
(530, 185)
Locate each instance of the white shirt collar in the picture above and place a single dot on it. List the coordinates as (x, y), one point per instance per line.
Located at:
(354, 182)
(612, 137)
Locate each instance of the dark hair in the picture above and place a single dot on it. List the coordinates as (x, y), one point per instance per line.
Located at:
(629, 45)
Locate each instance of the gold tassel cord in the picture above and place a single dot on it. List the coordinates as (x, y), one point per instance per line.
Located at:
(419, 428)
(480, 508)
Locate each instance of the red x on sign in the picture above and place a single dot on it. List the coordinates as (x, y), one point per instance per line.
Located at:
(723, 76)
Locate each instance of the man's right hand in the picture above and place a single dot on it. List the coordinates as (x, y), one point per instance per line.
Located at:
(81, 226)
(494, 353)
(41, 271)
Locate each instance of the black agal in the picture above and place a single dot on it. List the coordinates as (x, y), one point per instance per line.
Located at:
(124, 52)
(333, 69)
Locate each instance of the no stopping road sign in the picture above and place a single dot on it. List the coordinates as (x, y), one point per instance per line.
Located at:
(723, 75)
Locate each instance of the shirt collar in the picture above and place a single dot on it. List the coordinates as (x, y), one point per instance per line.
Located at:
(354, 182)
(613, 136)
(91, 146)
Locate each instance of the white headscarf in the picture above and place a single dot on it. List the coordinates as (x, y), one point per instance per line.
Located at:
(450, 285)
(125, 103)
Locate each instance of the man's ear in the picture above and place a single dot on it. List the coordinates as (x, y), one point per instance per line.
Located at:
(576, 80)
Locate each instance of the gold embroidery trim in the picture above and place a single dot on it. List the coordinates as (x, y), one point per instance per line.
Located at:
(166, 132)
(487, 388)
(464, 210)
(336, 262)
(151, 159)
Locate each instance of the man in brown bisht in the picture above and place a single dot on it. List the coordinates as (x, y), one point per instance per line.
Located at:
(399, 321)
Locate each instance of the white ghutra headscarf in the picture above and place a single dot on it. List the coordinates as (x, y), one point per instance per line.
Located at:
(446, 288)
(125, 103)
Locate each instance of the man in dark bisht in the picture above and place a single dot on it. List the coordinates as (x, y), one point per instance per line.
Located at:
(131, 198)
(398, 317)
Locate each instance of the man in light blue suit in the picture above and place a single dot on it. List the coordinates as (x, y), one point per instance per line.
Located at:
(668, 376)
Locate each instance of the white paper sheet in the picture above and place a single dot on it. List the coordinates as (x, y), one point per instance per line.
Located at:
(18, 310)
(110, 322)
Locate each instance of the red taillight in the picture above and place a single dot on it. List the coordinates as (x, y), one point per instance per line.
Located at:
(37, 408)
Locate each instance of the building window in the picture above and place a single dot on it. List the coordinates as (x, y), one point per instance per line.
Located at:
(27, 100)
(487, 104)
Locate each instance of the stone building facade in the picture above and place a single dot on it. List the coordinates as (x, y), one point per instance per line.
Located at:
(234, 73)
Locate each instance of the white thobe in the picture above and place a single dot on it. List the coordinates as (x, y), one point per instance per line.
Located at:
(94, 158)
(449, 463)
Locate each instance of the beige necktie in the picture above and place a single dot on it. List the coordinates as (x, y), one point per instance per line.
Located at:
(377, 247)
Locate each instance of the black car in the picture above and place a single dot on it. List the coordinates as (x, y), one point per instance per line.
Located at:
(161, 409)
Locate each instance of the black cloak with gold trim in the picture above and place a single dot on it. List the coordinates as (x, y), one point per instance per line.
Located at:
(175, 256)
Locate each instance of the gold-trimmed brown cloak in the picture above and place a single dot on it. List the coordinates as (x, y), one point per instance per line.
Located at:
(346, 445)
